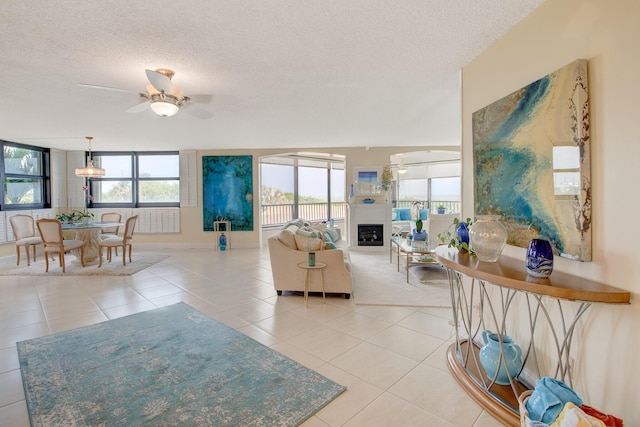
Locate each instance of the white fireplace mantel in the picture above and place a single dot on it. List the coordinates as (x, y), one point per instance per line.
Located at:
(360, 213)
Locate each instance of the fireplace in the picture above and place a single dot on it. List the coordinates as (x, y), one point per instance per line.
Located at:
(363, 215)
(370, 235)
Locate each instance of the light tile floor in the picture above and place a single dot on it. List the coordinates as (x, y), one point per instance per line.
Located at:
(392, 359)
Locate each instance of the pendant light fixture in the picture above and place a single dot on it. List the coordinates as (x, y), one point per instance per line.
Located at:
(90, 171)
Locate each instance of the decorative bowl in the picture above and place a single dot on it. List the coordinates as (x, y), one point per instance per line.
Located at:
(368, 201)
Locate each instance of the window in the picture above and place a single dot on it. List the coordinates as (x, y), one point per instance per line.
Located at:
(138, 179)
(301, 186)
(25, 175)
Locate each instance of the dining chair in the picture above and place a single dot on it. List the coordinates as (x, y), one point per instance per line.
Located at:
(24, 231)
(125, 241)
(51, 233)
(110, 231)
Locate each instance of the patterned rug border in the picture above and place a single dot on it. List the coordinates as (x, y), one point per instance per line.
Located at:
(187, 368)
(140, 261)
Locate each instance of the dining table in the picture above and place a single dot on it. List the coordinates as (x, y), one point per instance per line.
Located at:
(89, 233)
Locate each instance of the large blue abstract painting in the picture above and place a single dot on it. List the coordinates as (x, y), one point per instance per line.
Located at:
(532, 162)
(227, 191)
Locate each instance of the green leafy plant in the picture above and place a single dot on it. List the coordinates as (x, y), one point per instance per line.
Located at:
(451, 238)
(387, 178)
(74, 216)
(419, 225)
(441, 207)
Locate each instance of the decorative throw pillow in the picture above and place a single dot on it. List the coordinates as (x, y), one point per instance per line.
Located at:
(288, 239)
(307, 244)
(328, 242)
(405, 214)
(308, 232)
(333, 234)
(424, 213)
(395, 216)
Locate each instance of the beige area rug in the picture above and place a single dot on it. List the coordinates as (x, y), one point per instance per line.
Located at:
(74, 268)
(378, 282)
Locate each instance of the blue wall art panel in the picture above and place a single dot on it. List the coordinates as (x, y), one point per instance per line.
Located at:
(531, 153)
(227, 191)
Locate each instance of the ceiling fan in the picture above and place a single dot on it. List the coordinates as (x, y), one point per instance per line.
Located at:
(162, 97)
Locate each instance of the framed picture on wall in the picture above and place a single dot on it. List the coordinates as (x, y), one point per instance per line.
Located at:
(367, 180)
(227, 191)
(531, 157)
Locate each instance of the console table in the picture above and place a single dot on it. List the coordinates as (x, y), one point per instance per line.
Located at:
(497, 296)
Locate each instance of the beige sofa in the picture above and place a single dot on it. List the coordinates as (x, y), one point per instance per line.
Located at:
(285, 255)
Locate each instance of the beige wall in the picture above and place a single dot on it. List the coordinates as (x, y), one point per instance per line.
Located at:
(192, 234)
(606, 33)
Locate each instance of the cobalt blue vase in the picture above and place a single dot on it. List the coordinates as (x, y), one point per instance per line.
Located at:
(463, 233)
(539, 258)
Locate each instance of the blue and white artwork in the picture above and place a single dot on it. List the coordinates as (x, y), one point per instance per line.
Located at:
(532, 162)
(227, 191)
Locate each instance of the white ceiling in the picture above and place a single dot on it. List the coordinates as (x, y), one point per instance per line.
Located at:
(287, 73)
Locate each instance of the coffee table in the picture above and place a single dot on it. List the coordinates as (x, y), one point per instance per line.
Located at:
(414, 255)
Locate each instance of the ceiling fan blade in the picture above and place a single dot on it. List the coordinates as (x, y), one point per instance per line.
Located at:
(201, 98)
(197, 111)
(139, 108)
(159, 81)
(106, 88)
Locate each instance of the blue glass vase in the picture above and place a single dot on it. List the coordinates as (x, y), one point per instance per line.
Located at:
(463, 233)
(539, 258)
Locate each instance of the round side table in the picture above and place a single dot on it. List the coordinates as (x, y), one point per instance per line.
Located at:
(319, 266)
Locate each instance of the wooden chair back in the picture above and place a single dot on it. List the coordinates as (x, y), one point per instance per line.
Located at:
(111, 217)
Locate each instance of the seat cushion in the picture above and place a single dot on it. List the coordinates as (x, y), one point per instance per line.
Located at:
(72, 244)
(111, 242)
(29, 241)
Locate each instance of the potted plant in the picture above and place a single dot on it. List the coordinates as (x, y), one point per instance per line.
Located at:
(418, 233)
(84, 217)
(75, 216)
(457, 235)
(441, 209)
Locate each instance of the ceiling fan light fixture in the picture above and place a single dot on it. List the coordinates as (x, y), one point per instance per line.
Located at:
(90, 171)
(165, 105)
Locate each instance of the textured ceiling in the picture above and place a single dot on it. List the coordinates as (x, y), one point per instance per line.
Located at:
(286, 73)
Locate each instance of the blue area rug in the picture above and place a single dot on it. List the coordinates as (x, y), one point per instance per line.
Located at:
(171, 366)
